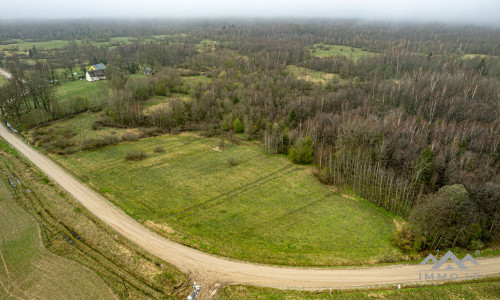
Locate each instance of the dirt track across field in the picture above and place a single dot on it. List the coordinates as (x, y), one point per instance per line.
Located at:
(213, 272)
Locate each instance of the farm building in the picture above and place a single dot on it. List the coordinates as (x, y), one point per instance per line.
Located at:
(97, 67)
(95, 75)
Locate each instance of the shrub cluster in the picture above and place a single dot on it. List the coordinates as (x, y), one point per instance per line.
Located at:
(135, 155)
(302, 152)
(88, 144)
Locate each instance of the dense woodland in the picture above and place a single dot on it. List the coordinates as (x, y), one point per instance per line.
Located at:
(414, 129)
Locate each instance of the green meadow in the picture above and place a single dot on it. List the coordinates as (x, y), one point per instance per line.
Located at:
(24, 45)
(237, 202)
(321, 50)
(82, 88)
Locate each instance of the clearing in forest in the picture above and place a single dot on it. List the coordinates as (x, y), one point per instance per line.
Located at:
(321, 50)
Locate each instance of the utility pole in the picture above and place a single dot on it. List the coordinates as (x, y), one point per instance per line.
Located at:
(197, 289)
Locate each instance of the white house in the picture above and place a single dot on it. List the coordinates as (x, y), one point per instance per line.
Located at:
(95, 75)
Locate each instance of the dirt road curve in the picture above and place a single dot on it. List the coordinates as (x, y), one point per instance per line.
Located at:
(209, 269)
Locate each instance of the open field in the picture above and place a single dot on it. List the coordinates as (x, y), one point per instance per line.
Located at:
(192, 81)
(69, 230)
(320, 50)
(206, 45)
(480, 290)
(312, 75)
(193, 195)
(24, 45)
(28, 270)
(82, 88)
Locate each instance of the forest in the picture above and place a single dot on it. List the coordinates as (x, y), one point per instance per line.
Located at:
(413, 128)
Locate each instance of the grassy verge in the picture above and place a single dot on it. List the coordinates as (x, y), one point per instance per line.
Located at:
(28, 270)
(484, 289)
(68, 230)
(320, 50)
(238, 202)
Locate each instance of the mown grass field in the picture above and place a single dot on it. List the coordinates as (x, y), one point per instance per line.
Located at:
(82, 88)
(480, 290)
(320, 50)
(70, 231)
(262, 209)
(28, 270)
(313, 75)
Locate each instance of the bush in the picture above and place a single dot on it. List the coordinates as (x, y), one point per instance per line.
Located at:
(88, 144)
(446, 218)
(104, 121)
(135, 155)
(96, 125)
(302, 152)
(238, 126)
(62, 143)
(407, 241)
(108, 140)
(159, 149)
(41, 138)
(67, 133)
(130, 137)
(232, 162)
(70, 150)
(78, 104)
(148, 132)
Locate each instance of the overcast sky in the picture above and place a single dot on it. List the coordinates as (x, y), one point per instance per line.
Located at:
(463, 11)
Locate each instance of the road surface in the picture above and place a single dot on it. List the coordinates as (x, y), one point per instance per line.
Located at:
(213, 271)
